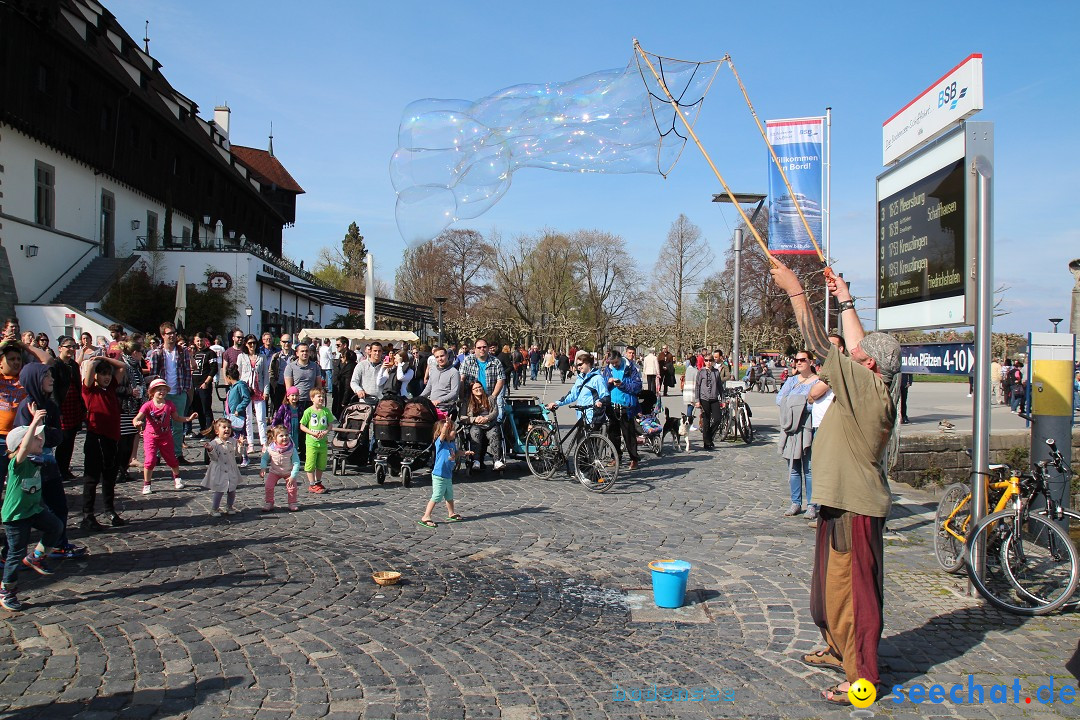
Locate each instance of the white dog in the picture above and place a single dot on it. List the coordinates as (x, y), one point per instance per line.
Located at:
(683, 439)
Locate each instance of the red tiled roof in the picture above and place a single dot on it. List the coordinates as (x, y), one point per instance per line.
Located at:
(266, 168)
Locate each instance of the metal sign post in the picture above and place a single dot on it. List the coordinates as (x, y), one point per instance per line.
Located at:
(982, 169)
(737, 322)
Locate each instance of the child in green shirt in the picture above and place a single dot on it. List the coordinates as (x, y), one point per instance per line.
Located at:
(23, 509)
(316, 424)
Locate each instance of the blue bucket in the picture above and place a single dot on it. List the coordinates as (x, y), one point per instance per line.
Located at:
(669, 582)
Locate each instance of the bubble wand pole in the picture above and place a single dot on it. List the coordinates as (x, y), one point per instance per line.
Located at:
(779, 165)
(690, 129)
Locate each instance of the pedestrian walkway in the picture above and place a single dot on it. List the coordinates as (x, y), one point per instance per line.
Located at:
(529, 609)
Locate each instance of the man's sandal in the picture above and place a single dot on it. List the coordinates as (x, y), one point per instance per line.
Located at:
(835, 695)
(823, 659)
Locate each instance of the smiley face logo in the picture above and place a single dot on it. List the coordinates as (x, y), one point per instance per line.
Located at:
(862, 693)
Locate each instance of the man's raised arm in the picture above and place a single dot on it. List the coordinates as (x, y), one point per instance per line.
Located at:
(813, 333)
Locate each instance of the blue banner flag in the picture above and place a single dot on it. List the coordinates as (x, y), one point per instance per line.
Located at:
(798, 146)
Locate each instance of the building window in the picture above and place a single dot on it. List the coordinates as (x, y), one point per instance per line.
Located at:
(72, 99)
(44, 194)
(152, 229)
(43, 79)
(185, 237)
(108, 222)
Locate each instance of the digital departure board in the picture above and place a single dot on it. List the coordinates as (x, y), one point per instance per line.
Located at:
(927, 214)
(921, 250)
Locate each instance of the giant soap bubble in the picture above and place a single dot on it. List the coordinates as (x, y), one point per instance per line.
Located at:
(455, 158)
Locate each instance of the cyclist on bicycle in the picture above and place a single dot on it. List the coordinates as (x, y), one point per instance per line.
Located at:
(590, 392)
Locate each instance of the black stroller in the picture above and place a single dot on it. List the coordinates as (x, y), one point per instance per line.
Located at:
(349, 445)
(404, 433)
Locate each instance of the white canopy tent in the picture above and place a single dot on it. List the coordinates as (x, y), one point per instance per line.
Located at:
(360, 337)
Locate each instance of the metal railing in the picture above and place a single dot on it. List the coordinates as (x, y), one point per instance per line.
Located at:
(178, 244)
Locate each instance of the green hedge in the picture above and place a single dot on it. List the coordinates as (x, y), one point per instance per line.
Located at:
(138, 302)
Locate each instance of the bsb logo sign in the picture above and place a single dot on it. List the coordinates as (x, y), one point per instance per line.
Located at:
(954, 97)
(949, 96)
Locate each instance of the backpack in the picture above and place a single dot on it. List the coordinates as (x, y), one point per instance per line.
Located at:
(1016, 382)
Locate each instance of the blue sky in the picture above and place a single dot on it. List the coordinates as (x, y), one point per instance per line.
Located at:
(334, 76)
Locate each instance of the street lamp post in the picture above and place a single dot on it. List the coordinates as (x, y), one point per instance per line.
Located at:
(440, 301)
(248, 311)
(759, 198)
(1056, 322)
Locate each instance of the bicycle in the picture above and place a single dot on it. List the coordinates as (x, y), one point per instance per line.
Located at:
(1031, 563)
(735, 418)
(954, 514)
(740, 415)
(595, 461)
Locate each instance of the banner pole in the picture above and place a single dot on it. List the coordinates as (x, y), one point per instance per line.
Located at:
(828, 205)
(779, 165)
(690, 129)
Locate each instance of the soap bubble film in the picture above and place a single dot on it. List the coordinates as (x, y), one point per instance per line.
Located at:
(455, 158)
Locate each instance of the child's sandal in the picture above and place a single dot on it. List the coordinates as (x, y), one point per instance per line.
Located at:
(454, 518)
(426, 523)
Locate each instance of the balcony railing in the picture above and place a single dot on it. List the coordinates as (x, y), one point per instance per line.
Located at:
(174, 244)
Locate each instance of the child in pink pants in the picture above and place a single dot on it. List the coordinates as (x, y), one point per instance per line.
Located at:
(156, 417)
(280, 460)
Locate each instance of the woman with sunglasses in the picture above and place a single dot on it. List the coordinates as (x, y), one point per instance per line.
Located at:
(42, 343)
(797, 431)
(256, 374)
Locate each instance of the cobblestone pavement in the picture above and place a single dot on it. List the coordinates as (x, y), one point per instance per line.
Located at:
(525, 610)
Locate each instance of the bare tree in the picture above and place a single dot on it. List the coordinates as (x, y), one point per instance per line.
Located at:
(683, 258)
(469, 256)
(424, 272)
(610, 285)
(512, 274)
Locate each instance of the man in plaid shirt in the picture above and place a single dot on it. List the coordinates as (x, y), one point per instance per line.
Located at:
(172, 363)
(487, 369)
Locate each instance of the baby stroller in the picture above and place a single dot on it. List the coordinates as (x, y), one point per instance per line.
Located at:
(417, 436)
(649, 426)
(348, 444)
(387, 428)
(404, 435)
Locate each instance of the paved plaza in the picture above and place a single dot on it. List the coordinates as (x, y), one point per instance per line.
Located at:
(534, 607)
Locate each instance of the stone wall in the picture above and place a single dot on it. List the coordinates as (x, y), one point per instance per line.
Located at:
(939, 458)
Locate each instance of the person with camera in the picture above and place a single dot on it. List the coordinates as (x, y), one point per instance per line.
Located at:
(624, 383)
(397, 372)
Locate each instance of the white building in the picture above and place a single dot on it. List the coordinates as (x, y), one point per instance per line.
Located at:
(101, 159)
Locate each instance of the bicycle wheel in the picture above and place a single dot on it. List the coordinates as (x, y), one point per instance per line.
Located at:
(542, 452)
(1039, 563)
(953, 513)
(720, 429)
(746, 428)
(596, 464)
(1071, 523)
(1030, 570)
